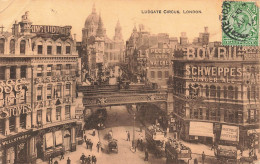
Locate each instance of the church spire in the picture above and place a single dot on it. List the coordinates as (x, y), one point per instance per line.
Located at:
(100, 30)
(94, 8)
(118, 32)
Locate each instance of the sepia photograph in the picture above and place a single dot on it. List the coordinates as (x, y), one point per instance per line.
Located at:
(129, 82)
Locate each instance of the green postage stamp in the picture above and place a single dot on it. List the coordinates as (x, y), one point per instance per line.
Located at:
(240, 23)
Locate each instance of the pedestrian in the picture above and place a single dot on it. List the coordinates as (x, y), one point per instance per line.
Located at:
(94, 159)
(82, 158)
(85, 137)
(61, 155)
(203, 157)
(50, 160)
(98, 146)
(68, 160)
(128, 136)
(89, 159)
(146, 155)
(56, 162)
(90, 145)
(196, 161)
(94, 132)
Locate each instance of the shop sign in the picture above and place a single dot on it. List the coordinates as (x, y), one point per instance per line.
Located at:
(54, 79)
(160, 50)
(8, 85)
(15, 139)
(51, 29)
(229, 133)
(220, 53)
(204, 129)
(22, 108)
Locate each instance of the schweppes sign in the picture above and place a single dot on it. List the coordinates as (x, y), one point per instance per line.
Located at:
(66, 30)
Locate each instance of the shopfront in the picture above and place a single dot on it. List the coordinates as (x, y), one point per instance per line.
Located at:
(15, 149)
(54, 140)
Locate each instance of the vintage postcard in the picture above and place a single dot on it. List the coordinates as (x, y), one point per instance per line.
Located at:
(129, 82)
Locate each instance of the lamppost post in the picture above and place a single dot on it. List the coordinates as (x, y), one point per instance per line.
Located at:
(133, 142)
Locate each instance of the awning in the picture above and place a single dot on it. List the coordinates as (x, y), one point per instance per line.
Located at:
(204, 129)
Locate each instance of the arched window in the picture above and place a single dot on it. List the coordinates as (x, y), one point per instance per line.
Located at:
(207, 91)
(236, 93)
(68, 48)
(225, 92)
(12, 46)
(2, 46)
(230, 92)
(22, 47)
(248, 93)
(218, 92)
(212, 91)
(49, 48)
(39, 48)
(58, 48)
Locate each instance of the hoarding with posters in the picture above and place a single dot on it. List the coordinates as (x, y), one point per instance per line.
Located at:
(229, 133)
(204, 129)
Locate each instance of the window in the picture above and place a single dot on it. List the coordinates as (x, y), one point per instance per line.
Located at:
(166, 74)
(67, 111)
(58, 69)
(49, 50)
(236, 93)
(49, 70)
(39, 49)
(68, 67)
(67, 49)
(22, 47)
(58, 113)
(58, 91)
(13, 72)
(212, 91)
(49, 91)
(67, 90)
(23, 71)
(152, 74)
(2, 73)
(39, 116)
(225, 92)
(207, 91)
(48, 115)
(39, 70)
(58, 49)
(218, 92)
(12, 46)
(39, 93)
(159, 74)
(230, 92)
(2, 46)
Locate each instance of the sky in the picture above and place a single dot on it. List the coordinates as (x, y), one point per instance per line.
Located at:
(128, 12)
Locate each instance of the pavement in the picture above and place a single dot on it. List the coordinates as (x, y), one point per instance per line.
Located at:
(119, 121)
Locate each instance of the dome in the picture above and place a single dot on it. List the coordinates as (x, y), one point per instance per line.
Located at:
(93, 17)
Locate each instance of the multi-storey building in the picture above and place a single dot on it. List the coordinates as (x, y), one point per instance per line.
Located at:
(101, 53)
(216, 93)
(149, 56)
(39, 67)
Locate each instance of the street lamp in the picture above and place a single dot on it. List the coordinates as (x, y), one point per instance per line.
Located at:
(133, 142)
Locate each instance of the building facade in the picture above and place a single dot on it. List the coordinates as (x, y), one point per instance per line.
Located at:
(101, 54)
(39, 68)
(216, 93)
